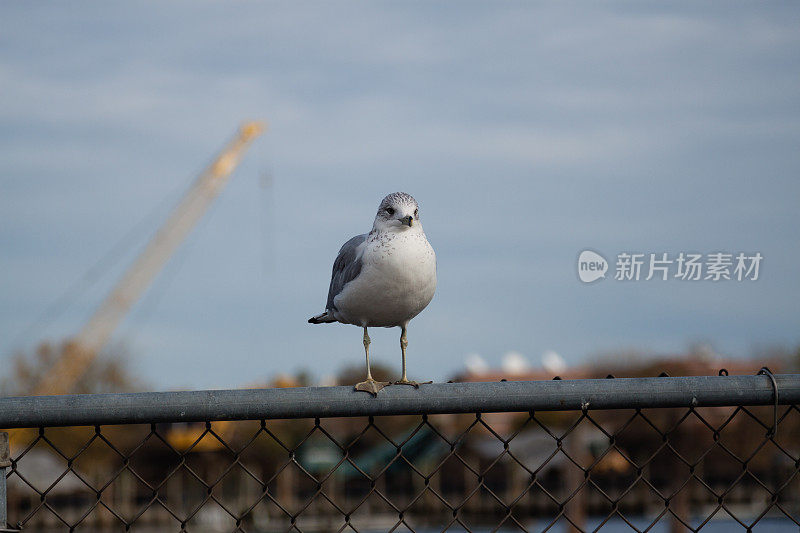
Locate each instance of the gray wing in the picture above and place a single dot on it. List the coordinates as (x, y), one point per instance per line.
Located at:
(346, 267)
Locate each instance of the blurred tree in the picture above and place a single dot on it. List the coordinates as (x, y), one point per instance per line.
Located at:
(108, 373)
(352, 374)
(304, 378)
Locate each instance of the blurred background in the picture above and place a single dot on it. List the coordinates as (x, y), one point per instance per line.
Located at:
(526, 132)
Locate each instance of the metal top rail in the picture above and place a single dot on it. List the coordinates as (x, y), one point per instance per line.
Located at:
(322, 402)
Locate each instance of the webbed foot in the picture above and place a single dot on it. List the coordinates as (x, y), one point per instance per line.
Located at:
(412, 383)
(371, 386)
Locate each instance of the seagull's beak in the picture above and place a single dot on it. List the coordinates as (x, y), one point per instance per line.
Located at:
(408, 221)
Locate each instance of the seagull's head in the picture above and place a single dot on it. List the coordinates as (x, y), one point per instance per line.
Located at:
(398, 211)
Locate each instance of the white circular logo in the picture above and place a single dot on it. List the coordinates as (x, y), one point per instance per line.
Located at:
(591, 266)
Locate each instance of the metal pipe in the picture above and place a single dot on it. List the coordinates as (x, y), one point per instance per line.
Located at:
(312, 402)
(5, 462)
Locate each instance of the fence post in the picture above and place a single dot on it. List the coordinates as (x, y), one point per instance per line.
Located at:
(5, 462)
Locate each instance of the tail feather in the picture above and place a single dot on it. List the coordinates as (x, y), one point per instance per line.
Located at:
(323, 318)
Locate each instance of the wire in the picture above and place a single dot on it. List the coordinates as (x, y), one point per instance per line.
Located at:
(98, 270)
(267, 215)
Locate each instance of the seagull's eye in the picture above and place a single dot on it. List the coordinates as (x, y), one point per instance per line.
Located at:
(416, 212)
(390, 210)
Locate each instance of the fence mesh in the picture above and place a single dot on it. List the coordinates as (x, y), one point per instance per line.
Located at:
(643, 469)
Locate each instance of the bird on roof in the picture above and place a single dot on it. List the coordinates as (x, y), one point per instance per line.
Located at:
(383, 278)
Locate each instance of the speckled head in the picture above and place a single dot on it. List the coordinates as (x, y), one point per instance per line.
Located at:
(397, 210)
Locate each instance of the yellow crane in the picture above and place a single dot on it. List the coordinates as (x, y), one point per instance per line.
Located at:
(81, 350)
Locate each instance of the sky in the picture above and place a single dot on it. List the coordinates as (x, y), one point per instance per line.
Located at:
(528, 132)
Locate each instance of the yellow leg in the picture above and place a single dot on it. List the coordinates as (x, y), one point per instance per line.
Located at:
(403, 345)
(370, 385)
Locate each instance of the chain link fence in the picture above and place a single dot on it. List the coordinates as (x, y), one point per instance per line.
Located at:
(642, 454)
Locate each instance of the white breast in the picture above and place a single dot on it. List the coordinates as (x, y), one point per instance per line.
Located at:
(397, 281)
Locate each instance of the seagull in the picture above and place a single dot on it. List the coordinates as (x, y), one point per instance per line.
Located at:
(383, 278)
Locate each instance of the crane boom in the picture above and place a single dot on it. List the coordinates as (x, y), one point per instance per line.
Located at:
(81, 350)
